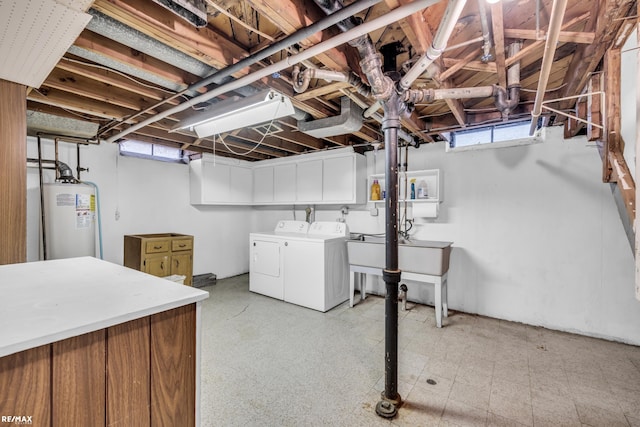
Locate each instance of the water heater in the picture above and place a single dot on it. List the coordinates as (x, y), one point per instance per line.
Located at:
(69, 218)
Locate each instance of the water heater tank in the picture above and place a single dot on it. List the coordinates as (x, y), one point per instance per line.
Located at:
(69, 218)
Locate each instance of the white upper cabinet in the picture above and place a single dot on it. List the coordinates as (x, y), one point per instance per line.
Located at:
(309, 181)
(330, 177)
(263, 184)
(284, 183)
(216, 181)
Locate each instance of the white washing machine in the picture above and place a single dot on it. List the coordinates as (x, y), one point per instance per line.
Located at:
(309, 269)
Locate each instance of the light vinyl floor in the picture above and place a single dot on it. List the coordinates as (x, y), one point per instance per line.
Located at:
(269, 363)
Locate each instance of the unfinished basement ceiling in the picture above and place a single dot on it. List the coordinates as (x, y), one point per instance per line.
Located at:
(122, 66)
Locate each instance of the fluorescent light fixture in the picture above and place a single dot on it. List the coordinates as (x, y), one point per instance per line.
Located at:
(237, 112)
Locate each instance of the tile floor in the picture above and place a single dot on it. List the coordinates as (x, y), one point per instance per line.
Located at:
(270, 363)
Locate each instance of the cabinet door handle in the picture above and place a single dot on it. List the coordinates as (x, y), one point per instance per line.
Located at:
(286, 243)
(161, 265)
(177, 263)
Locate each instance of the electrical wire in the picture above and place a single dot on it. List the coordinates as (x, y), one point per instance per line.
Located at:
(102, 67)
(267, 133)
(140, 82)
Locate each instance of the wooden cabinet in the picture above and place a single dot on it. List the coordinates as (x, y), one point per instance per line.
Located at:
(137, 373)
(161, 255)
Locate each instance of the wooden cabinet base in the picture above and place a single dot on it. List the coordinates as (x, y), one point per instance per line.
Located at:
(162, 254)
(140, 373)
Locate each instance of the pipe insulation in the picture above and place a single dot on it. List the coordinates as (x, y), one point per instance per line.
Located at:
(365, 28)
(555, 23)
(486, 35)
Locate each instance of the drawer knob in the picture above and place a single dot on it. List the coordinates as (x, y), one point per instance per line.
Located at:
(157, 247)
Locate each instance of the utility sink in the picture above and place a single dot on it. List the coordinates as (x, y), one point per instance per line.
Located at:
(414, 256)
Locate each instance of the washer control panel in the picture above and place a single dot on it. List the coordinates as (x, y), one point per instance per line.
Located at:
(329, 228)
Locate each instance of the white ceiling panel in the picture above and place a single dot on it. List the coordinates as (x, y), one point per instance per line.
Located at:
(33, 37)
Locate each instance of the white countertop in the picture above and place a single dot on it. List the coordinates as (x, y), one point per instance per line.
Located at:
(47, 301)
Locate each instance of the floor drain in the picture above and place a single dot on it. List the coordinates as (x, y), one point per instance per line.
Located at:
(432, 382)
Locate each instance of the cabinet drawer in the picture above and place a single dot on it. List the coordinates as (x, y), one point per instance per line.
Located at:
(157, 246)
(181, 245)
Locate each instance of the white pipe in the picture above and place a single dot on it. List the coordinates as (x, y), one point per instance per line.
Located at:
(449, 20)
(555, 24)
(360, 30)
(464, 92)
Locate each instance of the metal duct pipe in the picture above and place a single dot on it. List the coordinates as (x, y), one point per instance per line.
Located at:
(486, 35)
(555, 24)
(449, 20)
(365, 28)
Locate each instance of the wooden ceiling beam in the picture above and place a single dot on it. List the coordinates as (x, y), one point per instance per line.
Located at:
(321, 90)
(415, 27)
(565, 36)
(480, 66)
(301, 139)
(155, 21)
(118, 52)
(114, 79)
(606, 22)
(539, 44)
(77, 103)
(40, 107)
(83, 86)
(291, 15)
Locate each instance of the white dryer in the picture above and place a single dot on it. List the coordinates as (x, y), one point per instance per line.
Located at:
(266, 262)
(308, 269)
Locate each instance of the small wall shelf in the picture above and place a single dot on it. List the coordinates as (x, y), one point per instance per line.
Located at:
(429, 178)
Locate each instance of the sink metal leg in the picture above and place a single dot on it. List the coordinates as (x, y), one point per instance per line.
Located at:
(445, 295)
(438, 302)
(363, 286)
(352, 279)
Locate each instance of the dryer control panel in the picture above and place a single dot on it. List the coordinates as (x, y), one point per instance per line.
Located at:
(285, 226)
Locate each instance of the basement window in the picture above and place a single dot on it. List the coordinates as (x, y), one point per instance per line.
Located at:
(146, 150)
(500, 135)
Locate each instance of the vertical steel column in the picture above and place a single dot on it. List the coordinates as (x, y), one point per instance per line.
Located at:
(391, 274)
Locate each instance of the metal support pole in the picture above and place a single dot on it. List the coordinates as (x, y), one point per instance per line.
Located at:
(387, 407)
(42, 221)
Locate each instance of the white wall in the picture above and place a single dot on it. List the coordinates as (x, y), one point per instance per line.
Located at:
(151, 197)
(537, 236)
